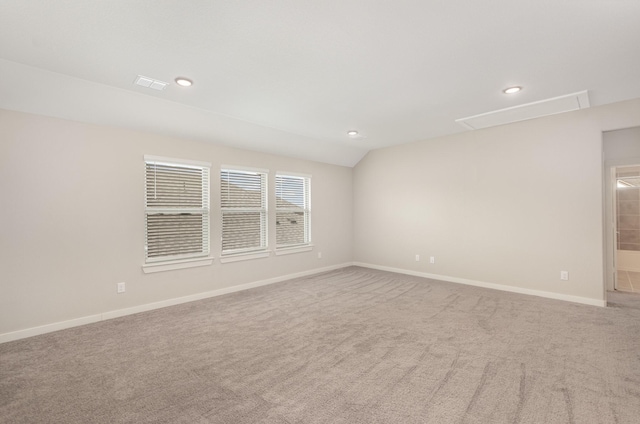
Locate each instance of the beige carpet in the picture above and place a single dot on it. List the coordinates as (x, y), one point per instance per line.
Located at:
(348, 346)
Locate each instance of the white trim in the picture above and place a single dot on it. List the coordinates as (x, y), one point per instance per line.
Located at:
(306, 208)
(204, 211)
(609, 212)
(513, 289)
(243, 168)
(35, 331)
(263, 210)
(293, 174)
(49, 328)
(524, 112)
(170, 161)
(150, 210)
(244, 256)
(294, 249)
(177, 264)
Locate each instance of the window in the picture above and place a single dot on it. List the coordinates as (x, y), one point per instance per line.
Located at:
(243, 199)
(292, 210)
(176, 209)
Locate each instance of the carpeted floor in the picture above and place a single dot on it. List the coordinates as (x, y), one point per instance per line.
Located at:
(347, 346)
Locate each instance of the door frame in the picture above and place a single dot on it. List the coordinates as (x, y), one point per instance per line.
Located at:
(610, 224)
(610, 229)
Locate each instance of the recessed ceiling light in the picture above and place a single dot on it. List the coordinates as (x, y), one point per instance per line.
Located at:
(511, 90)
(352, 133)
(184, 82)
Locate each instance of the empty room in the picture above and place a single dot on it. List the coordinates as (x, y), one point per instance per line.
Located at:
(298, 212)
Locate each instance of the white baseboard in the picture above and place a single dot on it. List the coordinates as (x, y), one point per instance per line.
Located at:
(513, 289)
(62, 325)
(49, 328)
(56, 326)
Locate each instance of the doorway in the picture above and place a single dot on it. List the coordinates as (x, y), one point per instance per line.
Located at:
(621, 232)
(627, 222)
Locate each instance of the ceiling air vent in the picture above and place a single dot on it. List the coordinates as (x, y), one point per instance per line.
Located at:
(154, 84)
(533, 110)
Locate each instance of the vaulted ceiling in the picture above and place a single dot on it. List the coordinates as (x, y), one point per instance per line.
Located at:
(291, 77)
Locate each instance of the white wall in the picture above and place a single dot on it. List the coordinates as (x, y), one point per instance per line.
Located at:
(622, 146)
(510, 206)
(72, 221)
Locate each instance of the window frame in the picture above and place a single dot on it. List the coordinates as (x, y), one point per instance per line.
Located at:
(251, 252)
(177, 261)
(306, 245)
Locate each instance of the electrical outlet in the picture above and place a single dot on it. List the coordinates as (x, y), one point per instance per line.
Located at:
(417, 258)
(319, 255)
(564, 275)
(432, 259)
(121, 288)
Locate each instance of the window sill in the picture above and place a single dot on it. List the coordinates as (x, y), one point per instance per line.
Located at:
(296, 249)
(244, 256)
(179, 264)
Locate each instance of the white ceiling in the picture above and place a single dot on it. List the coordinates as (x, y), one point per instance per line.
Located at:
(291, 77)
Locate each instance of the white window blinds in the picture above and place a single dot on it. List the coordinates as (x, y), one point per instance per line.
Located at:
(177, 210)
(293, 210)
(243, 200)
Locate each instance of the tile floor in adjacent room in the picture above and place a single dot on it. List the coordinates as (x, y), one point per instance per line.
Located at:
(628, 281)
